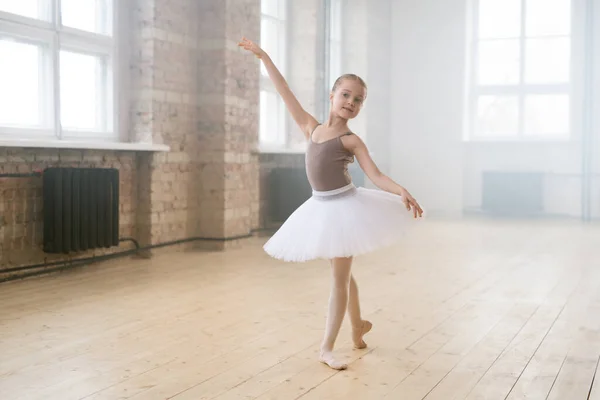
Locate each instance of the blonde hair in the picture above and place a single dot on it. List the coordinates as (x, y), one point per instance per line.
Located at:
(353, 77)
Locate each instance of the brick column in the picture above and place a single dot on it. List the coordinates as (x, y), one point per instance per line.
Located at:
(164, 110)
(198, 93)
(228, 117)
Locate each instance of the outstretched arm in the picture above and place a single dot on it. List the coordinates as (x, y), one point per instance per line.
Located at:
(305, 121)
(382, 181)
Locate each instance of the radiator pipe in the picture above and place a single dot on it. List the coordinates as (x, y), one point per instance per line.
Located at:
(73, 261)
(69, 264)
(23, 175)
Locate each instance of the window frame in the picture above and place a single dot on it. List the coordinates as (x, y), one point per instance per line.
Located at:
(521, 89)
(57, 38)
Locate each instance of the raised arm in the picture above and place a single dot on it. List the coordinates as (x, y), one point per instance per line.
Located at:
(382, 181)
(305, 121)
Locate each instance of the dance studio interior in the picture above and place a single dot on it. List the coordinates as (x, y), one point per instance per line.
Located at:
(148, 156)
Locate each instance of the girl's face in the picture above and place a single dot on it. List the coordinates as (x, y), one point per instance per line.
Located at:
(348, 98)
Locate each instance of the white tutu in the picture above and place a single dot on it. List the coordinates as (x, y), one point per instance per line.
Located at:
(345, 222)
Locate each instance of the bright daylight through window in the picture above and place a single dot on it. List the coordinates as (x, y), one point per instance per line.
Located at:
(520, 83)
(273, 36)
(57, 70)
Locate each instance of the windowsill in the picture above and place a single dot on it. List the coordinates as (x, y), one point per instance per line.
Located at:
(262, 149)
(517, 142)
(549, 139)
(81, 145)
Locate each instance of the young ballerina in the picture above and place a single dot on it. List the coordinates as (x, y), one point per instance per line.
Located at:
(339, 221)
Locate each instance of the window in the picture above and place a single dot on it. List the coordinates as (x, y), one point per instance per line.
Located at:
(520, 84)
(57, 69)
(273, 121)
(331, 45)
(335, 43)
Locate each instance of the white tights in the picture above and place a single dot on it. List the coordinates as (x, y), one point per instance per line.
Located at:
(343, 297)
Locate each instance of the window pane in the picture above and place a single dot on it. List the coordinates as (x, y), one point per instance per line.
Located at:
(271, 124)
(335, 62)
(547, 114)
(23, 100)
(548, 17)
(39, 9)
(270, 39)
(82, 91)
(87, 15)
(335, 20)
(499, 62)
(497, 116)
(499, 19)
(273, 8)
(547, 60)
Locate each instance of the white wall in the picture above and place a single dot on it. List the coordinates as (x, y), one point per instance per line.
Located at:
(428, 154)
(596, 106)
(379, 67)
(366, 45)
(354, 52)
(426, 85)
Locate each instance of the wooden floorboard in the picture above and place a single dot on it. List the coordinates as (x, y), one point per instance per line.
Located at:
(470, 309)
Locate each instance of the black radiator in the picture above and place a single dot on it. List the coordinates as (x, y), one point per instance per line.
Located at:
(513, 193)
(289, 188)
(81, 209)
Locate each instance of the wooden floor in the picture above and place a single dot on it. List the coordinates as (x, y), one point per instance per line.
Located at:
(461, 310)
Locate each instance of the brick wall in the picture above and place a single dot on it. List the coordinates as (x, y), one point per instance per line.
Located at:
(228, 125)
(191, 88)
(165, 108)
(21, 218)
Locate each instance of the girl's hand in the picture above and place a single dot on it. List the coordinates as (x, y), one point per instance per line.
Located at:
(251, 46)
(411, 203)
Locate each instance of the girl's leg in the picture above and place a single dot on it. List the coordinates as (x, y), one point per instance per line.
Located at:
(359, 326)
(338, 302)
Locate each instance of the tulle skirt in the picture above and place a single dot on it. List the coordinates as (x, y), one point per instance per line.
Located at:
(345, 222)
